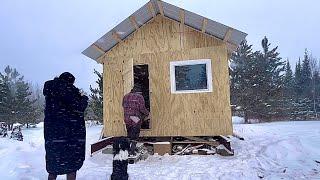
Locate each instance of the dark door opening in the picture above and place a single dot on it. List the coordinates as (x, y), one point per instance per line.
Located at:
(141, 78)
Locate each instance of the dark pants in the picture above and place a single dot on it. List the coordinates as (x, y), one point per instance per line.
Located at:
(133, 132)
(70, 176)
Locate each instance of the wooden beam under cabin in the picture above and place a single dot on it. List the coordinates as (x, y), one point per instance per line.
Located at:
(228, 35)
(182, 17)
(116, 36)
(204, 25)
(98, 48)
(151, 9)
(134, 22)
(159, 3)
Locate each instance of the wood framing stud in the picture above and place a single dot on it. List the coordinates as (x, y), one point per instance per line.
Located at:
(98, 48)
(181, 12)
(160, 7)
(116, 36)
(151, 9)
(134, 22)
(204, 25)
(227, 35)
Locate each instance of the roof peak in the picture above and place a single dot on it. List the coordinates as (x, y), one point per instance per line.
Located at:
(149, 11)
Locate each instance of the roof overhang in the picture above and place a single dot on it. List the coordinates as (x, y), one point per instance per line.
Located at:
(147, 12)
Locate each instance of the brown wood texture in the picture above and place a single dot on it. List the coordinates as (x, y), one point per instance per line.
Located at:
(157, 44)
(127, 75)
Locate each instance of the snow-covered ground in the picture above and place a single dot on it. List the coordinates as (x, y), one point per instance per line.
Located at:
(280, 150)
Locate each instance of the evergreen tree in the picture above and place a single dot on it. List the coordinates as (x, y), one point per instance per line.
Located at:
(25, 112)
(17, 106)
(298, 80)
(304, 107)
(4, 97)
(315, 84)
(241, 68)
(7, 79)
(269, 74)
(288, 81)
(306, 76)
(316, 79)
(96, 96)
(39, 103)
(288, 91)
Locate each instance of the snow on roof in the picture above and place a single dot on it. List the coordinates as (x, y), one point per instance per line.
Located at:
(148, 12)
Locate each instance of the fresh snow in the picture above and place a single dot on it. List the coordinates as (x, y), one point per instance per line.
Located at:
(237, 120)
(279, 150)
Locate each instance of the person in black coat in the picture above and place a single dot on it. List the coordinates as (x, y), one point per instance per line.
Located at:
(64, 126)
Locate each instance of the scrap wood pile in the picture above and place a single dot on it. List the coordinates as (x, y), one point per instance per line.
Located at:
(202, 149)
(202, 146)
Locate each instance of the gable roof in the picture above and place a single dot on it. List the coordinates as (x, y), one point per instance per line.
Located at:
(147, 12)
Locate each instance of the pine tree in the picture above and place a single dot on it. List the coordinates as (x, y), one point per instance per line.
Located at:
(268, 75)
(241, 68)
(4, 91)
(316, 79)
(96, 96)
(17, 106)
(306, 76)
(288, 91)
(288, 81)
(298, 80)
(25, 112)
(315, 84)
(7, 95)
(38, 105)
(304, 104)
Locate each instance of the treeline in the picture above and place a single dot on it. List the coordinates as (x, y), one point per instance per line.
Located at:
(20, 102)
(23, 102)
(264, 86)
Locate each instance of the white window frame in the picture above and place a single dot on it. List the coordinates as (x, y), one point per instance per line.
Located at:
(173, 64)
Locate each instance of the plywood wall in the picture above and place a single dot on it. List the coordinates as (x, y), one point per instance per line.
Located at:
(160, 35)
(156, 44)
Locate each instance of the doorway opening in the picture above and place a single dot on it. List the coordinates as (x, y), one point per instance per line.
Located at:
(141, 78)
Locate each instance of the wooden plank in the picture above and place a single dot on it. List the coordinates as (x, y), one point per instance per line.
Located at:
(101, 144)
(227, 35)
(151, 9)
(182, 16)
(159, 3)
(204, 25)
(116, 36)
(112, 97)
(134, 22)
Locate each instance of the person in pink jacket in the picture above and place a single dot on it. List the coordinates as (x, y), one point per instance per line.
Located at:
(134, 113)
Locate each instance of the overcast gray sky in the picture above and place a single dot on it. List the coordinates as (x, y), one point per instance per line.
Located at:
(44, 38)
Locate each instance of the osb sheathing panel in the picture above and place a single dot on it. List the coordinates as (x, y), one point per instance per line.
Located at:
(197, 114)
(160, 35)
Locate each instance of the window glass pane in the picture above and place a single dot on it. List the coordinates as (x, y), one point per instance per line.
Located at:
(191, 77)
